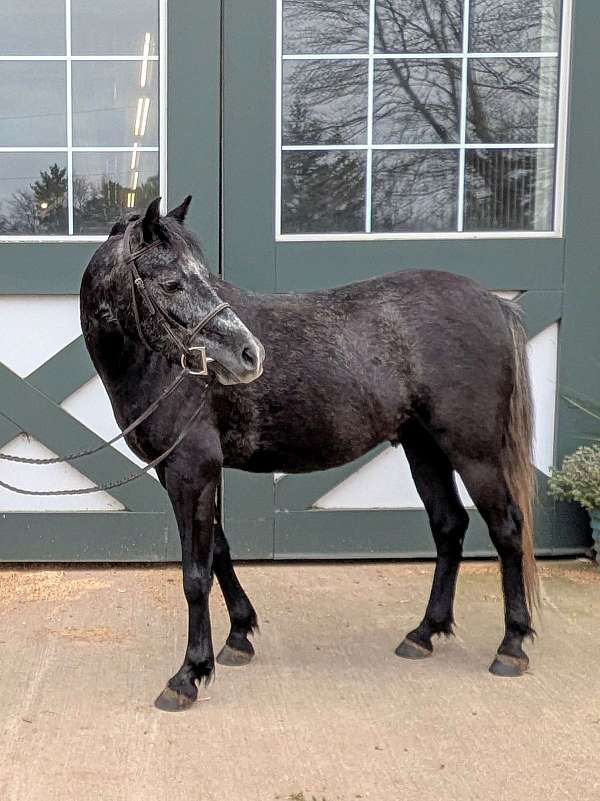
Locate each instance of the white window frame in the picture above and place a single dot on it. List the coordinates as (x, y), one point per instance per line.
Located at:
(69, 149)
(564, 55)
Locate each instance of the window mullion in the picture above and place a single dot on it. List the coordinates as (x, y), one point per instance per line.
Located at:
(460, 214)
(369, 164)
(69, 116)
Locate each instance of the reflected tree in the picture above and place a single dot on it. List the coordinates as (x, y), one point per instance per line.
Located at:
(97, 204)
(319, 187)
(418, 102)
(42, 208)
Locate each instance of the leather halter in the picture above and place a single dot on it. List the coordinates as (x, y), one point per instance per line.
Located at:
(179, 334)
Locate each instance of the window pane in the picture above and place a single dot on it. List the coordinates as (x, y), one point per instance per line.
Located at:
(105, 187)
(512, 100)
(514, 26)
(110, 109)
(312, 26)
(418, 26)
(323, 192)
(325, 102)
(33, 104)
(416, 101)
(415, 190)
(509, 190)
(33, 28)
(113, 27)
(33, 193)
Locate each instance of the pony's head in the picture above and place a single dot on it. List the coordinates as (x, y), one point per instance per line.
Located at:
(161, 294)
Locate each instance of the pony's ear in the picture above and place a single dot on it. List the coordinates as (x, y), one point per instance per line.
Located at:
(180, 213)
(151, 220)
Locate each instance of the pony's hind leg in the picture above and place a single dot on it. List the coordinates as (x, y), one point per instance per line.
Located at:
(238, 649)
(433, 477)
(487, 486)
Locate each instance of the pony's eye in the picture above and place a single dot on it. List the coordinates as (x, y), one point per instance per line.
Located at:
(170, 286)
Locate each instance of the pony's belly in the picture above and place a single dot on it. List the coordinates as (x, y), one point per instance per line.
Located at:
(299, 459)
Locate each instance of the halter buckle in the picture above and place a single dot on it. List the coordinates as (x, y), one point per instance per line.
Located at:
(203, 358)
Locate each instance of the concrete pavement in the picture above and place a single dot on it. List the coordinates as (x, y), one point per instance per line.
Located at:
(326, 711)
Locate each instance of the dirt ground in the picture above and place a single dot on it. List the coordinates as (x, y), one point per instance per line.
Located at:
(326, 712)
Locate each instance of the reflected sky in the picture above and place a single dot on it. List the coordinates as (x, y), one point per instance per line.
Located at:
(33, 104)
(105, 104)
(32, 28)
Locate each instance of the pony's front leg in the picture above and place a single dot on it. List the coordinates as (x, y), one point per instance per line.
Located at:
(192, 493)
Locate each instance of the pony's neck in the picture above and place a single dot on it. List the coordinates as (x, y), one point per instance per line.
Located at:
(114, 354)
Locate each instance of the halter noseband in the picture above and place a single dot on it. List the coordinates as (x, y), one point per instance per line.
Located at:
(169, 324)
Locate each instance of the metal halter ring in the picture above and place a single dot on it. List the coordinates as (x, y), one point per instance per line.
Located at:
(204, 358)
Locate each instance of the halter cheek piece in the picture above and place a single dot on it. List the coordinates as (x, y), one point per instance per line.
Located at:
(184, 337)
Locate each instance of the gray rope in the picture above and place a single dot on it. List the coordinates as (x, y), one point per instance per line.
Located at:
(120, 482)
(71, 457)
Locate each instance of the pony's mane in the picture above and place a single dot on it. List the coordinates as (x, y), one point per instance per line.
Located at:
(171, 229)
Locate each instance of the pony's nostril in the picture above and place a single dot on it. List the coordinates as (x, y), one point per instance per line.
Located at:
(250, 358)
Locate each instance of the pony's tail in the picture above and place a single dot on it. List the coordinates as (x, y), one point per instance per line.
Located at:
(517, 455)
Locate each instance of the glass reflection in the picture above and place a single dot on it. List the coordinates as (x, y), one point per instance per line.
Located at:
(114, 27)
(414, 190)
(33, 193)
(110, 109)
(509, 190)
(34, 28)
(418, 26)
(108, 185)
(323, 192)
(324, 102)
(512, 100)
(314, 26)
(514, 26)
(33, 104)
(416, 101)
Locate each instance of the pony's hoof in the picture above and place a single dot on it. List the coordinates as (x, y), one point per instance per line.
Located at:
(409, 649)
(172, 701)
(233, 657)
(509, 666)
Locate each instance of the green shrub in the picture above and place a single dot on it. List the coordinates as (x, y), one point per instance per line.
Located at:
(579, 478)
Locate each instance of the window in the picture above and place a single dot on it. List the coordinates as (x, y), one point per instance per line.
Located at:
(408, 118)
(79, 114)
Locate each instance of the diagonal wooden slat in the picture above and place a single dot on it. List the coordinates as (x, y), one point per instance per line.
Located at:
(58, 378)
(65, 372)
(48, 422)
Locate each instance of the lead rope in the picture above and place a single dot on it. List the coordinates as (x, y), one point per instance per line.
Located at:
(120, 482)
(71, 457)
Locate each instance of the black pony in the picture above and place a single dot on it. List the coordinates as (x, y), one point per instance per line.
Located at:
(428, 360)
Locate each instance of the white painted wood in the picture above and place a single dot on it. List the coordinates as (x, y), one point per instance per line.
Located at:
(543, 370)
(404, 56)
(384, 483)
(35, 327)
(419, 236)
(51, 477)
